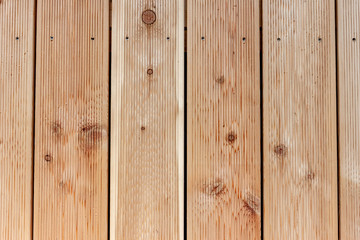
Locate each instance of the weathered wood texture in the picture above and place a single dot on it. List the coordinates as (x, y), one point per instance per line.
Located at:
(223, 107)
(299, 102)
(16, 117)
(147, 111)
(349, 116)
(71, 121)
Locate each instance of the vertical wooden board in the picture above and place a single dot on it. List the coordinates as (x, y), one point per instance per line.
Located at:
(147, 112)
(299, 102)
(349, 116)
(16, 117)
(223, 107)
(71, 123)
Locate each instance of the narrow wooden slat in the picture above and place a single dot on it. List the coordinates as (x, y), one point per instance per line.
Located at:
(17, 28)
(71, 121)
(349, 116)
(147, 145)
(223, 107)
(299, 101)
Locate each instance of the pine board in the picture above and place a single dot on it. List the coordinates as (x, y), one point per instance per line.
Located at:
(16, 117)
(223, 120)
(349, 116)
(147, 120)
(71, 121)
(299, 120)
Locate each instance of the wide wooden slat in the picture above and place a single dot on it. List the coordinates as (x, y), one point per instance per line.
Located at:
(71, 123)
(223, 107)
(349, 116)
(147, 111)
(17, 28)
(299, 101)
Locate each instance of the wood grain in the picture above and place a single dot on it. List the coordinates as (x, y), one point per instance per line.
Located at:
(16, 117)
(147, 125)
(349, 117)
(299, 101)
(223, 107)
(71, 124)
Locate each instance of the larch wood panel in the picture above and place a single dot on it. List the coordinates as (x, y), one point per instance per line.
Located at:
(223, 117)
(71, 123)
(147, 125)
(299, 126)
(16, 117)
(349, 116)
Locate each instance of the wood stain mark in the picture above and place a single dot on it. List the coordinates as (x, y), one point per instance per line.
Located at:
(215, 188)
(148, 17)
(142, 128)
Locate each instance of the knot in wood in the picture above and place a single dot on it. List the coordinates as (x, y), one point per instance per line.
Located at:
(215, 188)
(280, 150)
(220, 80)
(231, 137)
(148, 17)
(149, 71)
(89, 136)
(48, 157)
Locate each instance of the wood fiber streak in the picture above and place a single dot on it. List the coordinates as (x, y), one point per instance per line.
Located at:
(299, 102)
(147, 111)
(349, 116)
(71, 121)
(17, 28)
(223, 107)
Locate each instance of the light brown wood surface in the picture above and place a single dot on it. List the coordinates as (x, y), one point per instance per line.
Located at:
(299, 127)
(71, 121)
(17, 28)
(147, 125)
(223, 117)
(349, 117)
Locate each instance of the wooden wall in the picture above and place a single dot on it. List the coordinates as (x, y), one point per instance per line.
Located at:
(216, 119)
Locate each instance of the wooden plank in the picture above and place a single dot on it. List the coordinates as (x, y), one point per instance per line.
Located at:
(147, 125)
(349, 116)
(71, 125)
(223, 133)
(16, 117)
(299, 102)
